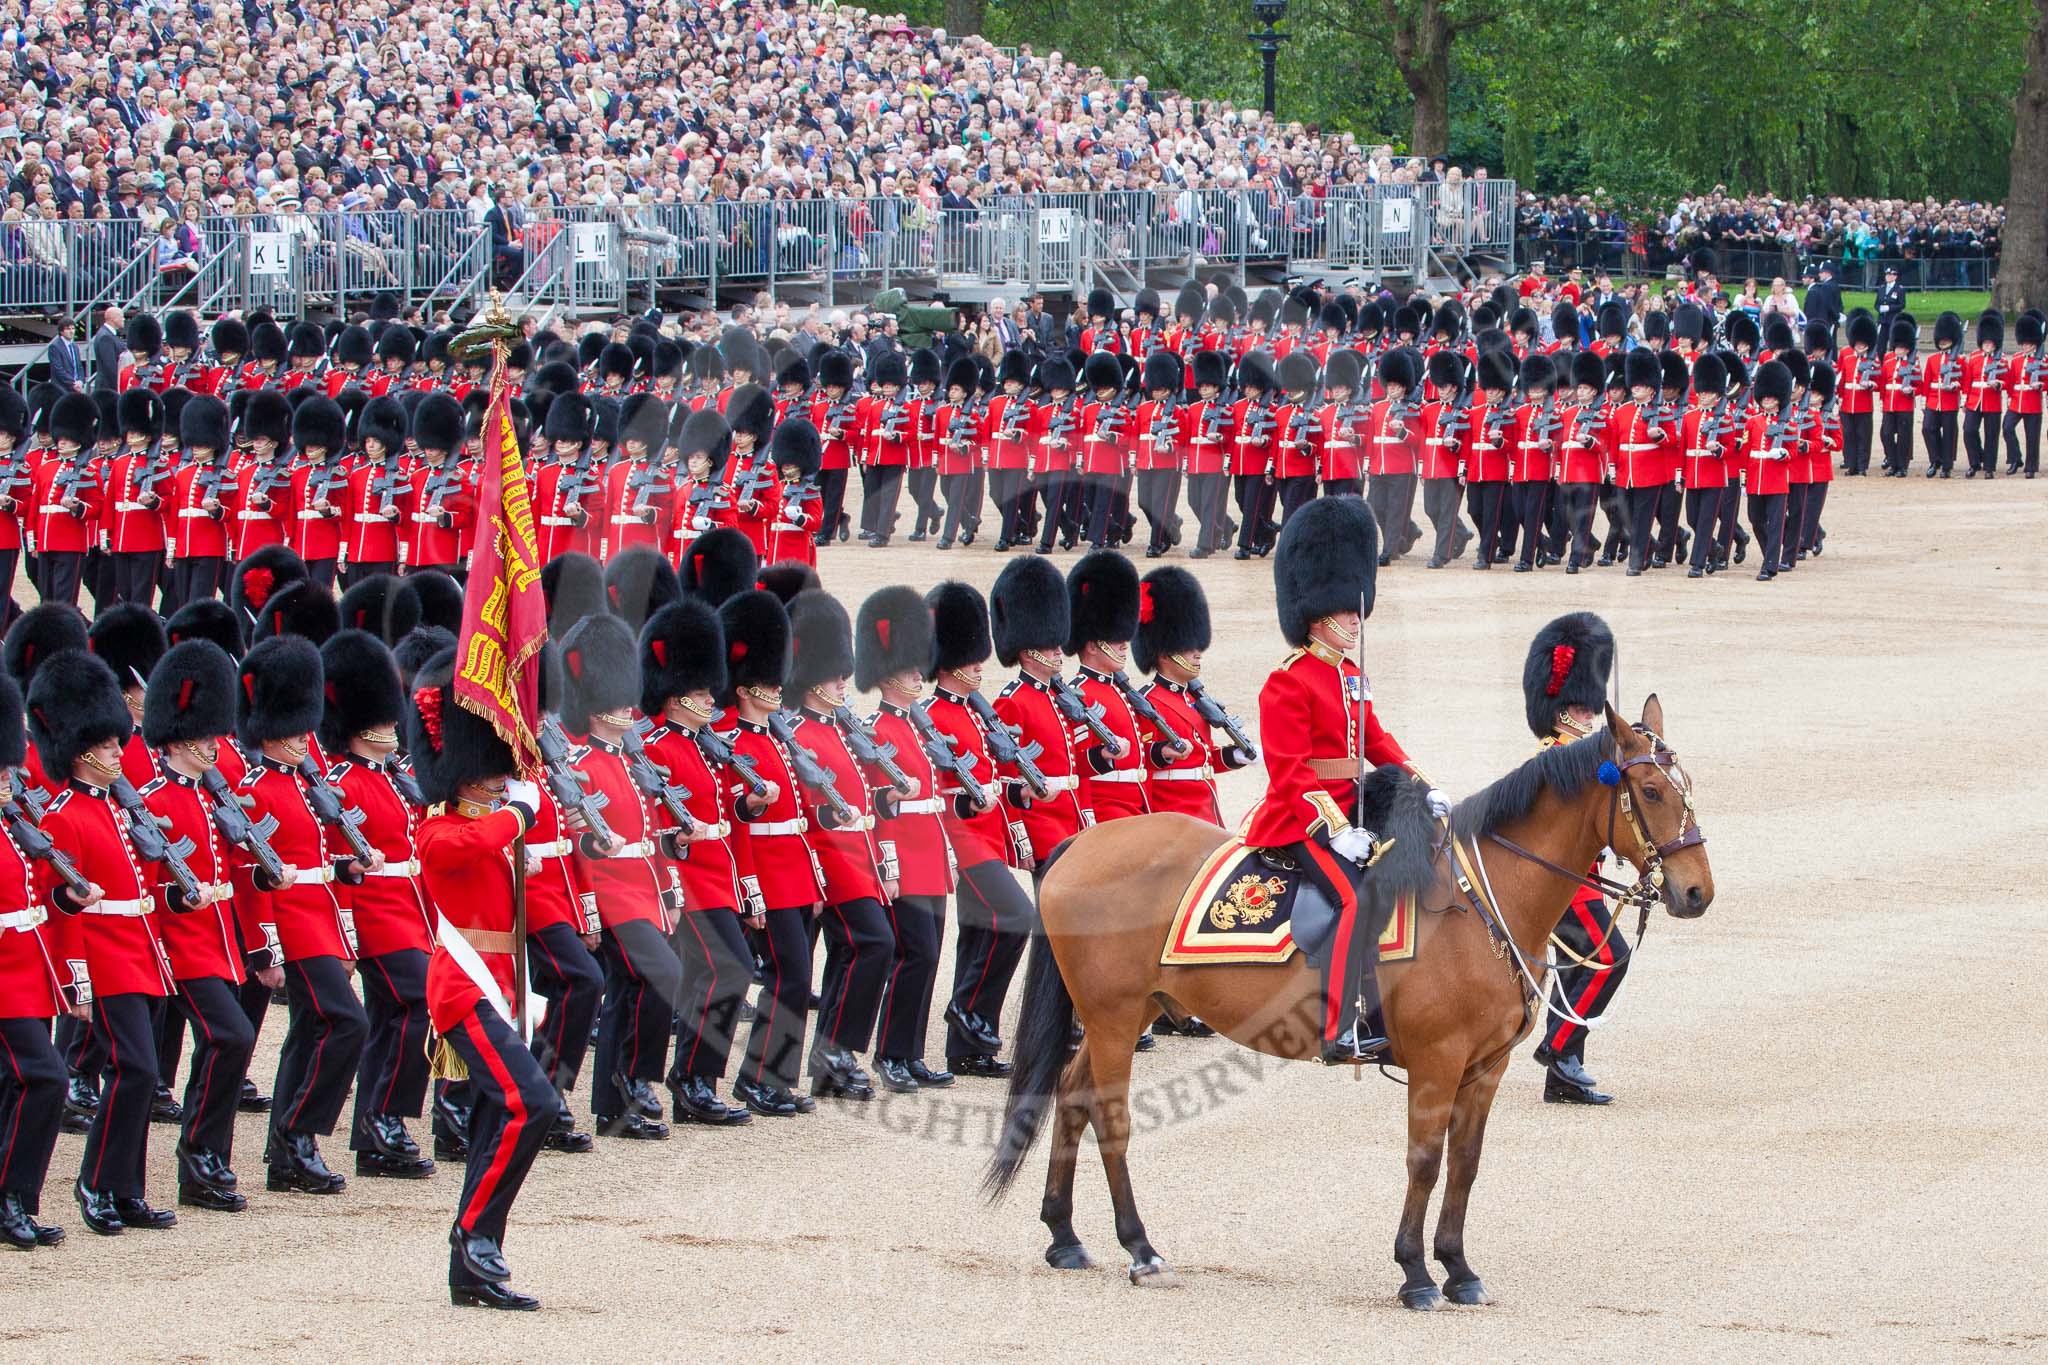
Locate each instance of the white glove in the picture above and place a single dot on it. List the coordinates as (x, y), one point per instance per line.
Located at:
(523, 793)
(1439, 804)
(1354, 843)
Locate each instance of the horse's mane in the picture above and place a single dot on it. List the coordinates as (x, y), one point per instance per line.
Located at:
(1562, 768)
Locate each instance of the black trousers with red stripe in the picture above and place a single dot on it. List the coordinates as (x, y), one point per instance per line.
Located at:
(641, 975)
(512, 1107)
(321, 1048)
(860, 948)
(718, 966)
(995, 928)
(775, 1044)
(223, 1038)
(117, 1144)
(1588, 929)
(568, 977)
(1352, 958)
(391, 1077)
(919, 923)
(31, 1102)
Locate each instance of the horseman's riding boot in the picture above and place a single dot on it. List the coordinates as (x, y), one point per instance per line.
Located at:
(1355, 1043)
(1565, 1081)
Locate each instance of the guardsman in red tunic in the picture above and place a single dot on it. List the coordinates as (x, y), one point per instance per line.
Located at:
(885, 426)
(1564, 688)
(1984, 394)
(1393, 449)
(922, 477)
(188, 712)
(1899, 385)
(144, 339)
(1173, 632)
(67, 495)
(637, 888)
(1580, 458)
(832, 412)
(1006, 430)
(2025, 375)
(1340, 425)
(196, 516)
(703, 500)
(682, 671)
(769, 829)
(1532, 456)
(1316, 720)
(1823, 444)
(319, 486)
(1941, 384)
(359, 731)
(958, 451)
(640, 490)
(259, 495)
(1856, 366)
(1103, 425)
(1203, 446)
(80, 724)
(229, 338)
(16, 477)
(1296, 436)
(133, 522)
(568, 508)
(1254, 424)
(892, 649)
(35, 987)
(793, 453)
(1448, 425)
(378, 480)
(442, 501)
(1766, 455)
(986, 838)
(1644, 441)
(1155, 430)
(1057, 427)
(353, 351)
(1028, 619)
(1705, 439)
(1102, 615)
(750, 471)
(859, 945)
(303, 923)
(476, 811)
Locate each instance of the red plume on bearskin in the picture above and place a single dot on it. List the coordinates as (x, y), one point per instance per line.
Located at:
(427, 701)
(256, 587)
(1567, 665)
(1145, 607)
(1560, 668)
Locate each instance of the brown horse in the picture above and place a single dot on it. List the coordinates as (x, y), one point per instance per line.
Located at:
(1454, 1012)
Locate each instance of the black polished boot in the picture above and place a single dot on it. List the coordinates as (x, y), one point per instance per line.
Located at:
(894, 1075)
(477, 1274)
(17, 1229)
(979, 1031)
(252, 1101)
(837, 1074)
(296, 1165)
(765, 1100)
(982, 1066)
(1565, 1081)
(633, 1125)
(564, 1136)
(97, 1208)
(696, 1101)
(137, 1213)
(164, 1107)
(925, 1076)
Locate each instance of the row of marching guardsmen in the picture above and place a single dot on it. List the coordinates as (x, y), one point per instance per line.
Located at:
(194, 823)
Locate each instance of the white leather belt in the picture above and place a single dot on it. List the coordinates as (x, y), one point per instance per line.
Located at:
(864, 824)
(1062, 784)
(312, 876)
(643, 849)
(930, 805)
(1120, 775)
(787, 529)
(254, 516)
(557, 848)
(194, 512)
(310, 515)
(1202, 774)
(1641, 445)
(796, 826)
(51, 507)
(556, 521)
(24, 920)
(409, 868)
(427, 518)
(371, 517)
(123, 909)
(720, 830)
(132, 507)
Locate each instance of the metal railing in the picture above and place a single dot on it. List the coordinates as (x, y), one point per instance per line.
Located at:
(1647, 255)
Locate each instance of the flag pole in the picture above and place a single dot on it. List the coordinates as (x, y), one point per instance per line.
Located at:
(501, 349)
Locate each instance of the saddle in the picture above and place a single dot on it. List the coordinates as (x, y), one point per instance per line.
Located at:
(1244, 905)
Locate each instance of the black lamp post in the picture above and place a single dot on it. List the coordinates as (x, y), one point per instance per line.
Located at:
(1268, 13)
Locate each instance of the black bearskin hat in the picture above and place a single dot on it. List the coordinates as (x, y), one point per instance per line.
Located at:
(1822, 381)
(281, 691)
(1564, 322)
(756, 629)
(266, 342)
(644, 418)
(1297, 372)
(835, 370)
(130, 638)
(793, 372)
(1101, 304)
(1446, 369)
(1223, 311)
(1773, 380)
(573, 584)
(306, 341)
(1173, 616)
(568, 420)
(181, 330)
(13, 414)
(1709, 376)
(207, 618)
(1948, 329)
(1689, 322)
(600, 670)
(386, 606)
(437, 423)
(2027, 330)
(1991, 328)
(1163, 371)
(616, 361)
(1644, 370)
(13, 724)
(1103, 371)
(750, 411)
(302, 608)
(1402, 365)
(892, 634)
(720, 563)
(1568, 665)
(1212, 368)
(75, 417)
(1675, 375)
(230, 338)
(960, 635)
(963, 374)
(681, 650)
(1612, 320)
(1588, 369)
(1015, 367)
(141, 410)
(924, 366)
(1818, 336)
(1539, 374)
(1102, 599)
(74, 703)
(412, 653)
(705, 430)
(319, 424)
(1325, 562)
(820, 641)
(449, 746)
(1905, 334)
(1741, 330)
(440, 599)
(1056, 376)
(1190, 302)
(38, 634)
(1027, 609)
(1777, 334)
(354, 347)
(191, 695)
(797, 444)
(383, 419)
(1255, 371)
(1656, 326)
(145, 335)
(1862, 329)
(786, 578)
(361, 688)
(638, 582)
(1345, 369)
(266, 572)
(268, 416)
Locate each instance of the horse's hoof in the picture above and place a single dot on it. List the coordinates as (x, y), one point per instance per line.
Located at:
(1073, 1256)
(1421, 1298)
(1470, 1292)
(1153, 1274)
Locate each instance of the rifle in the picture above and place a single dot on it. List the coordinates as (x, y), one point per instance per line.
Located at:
(1908, 374)
(1951, 370)
(719, 753)
(938, 747)
(652, 780)
(1078, 712)
(578, 483)
(1004, 749)
(1453, 423)
(14, 473)
(385, 485)
(1108, 417)
(155, 471)
(638, 481)
(1162, 426)
(405, 784)
(566, 785)
(330, 475)
(1213, 712)
(441, 479)
(1013, 417)
(2035, 372)
(74, 476)
(836, 417)
(30, 799)
(706, 500)
(1142, 707)
(267, 478)
(327, 808)
(750, 485)
(25, 823)
(795, 495)
(1062, 423)
(230, 817)
(809, 770)
(146, 832)
(869, 749)
(893, 418)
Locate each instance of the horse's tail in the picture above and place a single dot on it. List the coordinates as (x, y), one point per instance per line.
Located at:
(1045, 1033)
